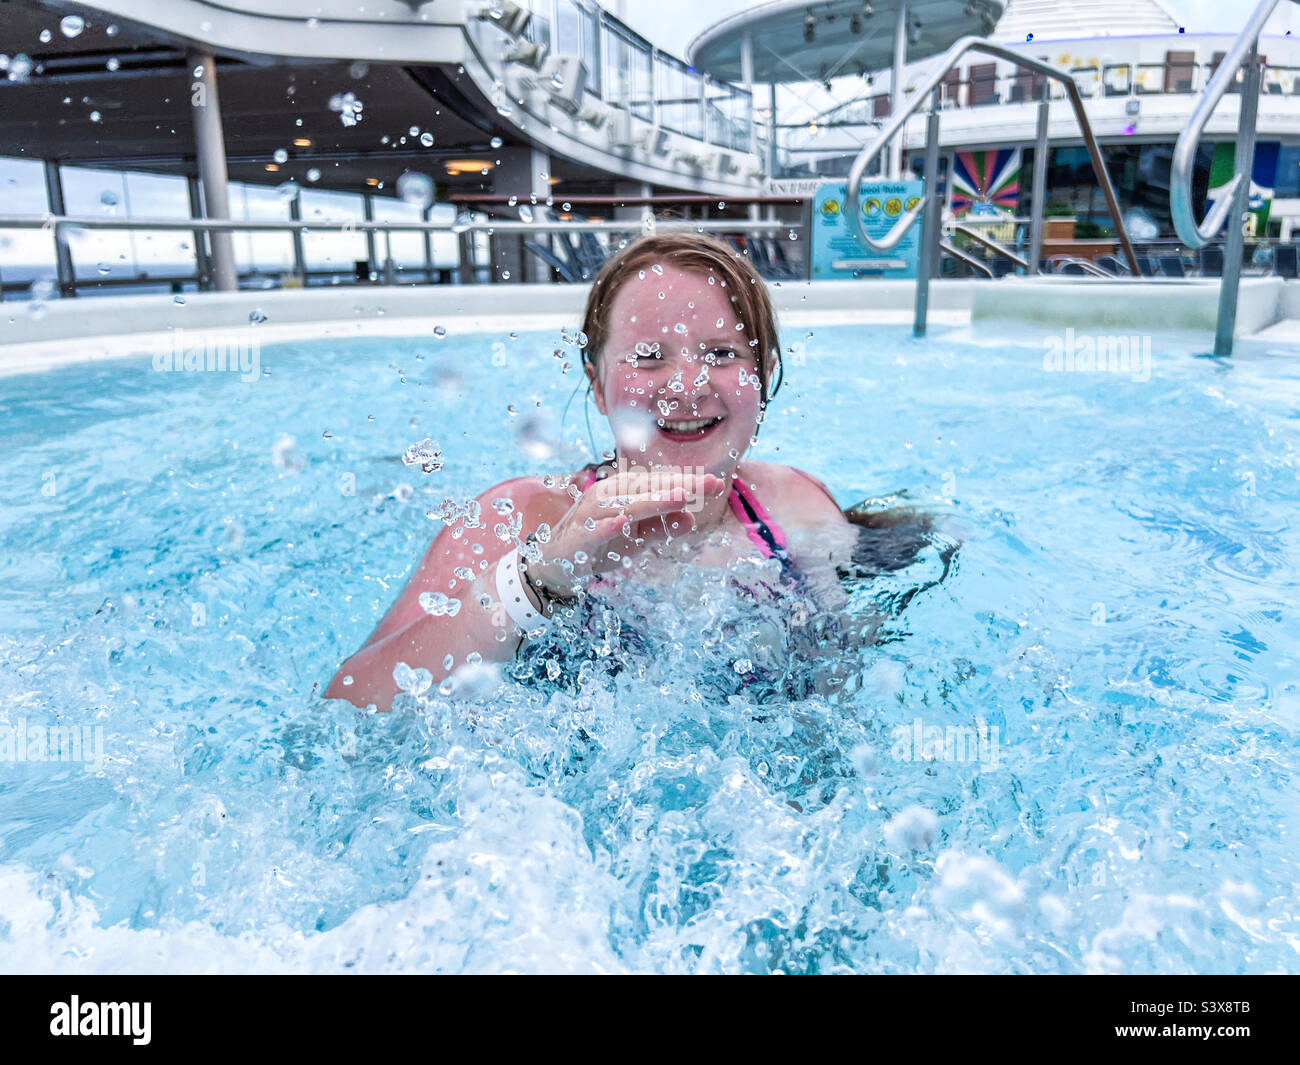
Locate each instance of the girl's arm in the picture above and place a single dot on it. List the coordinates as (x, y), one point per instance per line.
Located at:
(410, 634)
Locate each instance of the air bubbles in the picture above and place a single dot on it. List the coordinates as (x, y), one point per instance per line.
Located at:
(113, 64)
(313, 174)
(346, 106)
(415, 188)
(46, 36)
(495, 142)
(72, 25)
(95, 116)
(426, 139)
(280, 155)
(680, 327)
(426, 454)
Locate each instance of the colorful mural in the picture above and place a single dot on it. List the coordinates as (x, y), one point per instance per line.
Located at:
(984, 180)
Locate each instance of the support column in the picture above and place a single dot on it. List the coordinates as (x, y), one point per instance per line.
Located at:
(62, 253)
(211, 145)
(896, 92)
(522, 173)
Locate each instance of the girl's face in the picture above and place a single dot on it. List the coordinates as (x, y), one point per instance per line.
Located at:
(677, 378)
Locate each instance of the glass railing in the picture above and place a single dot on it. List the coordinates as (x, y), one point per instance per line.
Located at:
(627, 72)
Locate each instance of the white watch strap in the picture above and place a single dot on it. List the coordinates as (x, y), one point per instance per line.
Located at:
(512, 594)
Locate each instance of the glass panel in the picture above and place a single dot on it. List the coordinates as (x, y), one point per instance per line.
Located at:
(266, 253)
(590, 31)
(26, 255)
(102, 253)
(333, 251)
(568, 33)
(408, 248)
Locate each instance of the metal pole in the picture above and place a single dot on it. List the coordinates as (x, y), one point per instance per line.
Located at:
(368, 213)
(1234, 247)
(1039, 190)
(390, 268)
(299, 259)
(62, 253)
(428, 246)
(211, 145)
(202, 266)
(930, 221)
(896, 91)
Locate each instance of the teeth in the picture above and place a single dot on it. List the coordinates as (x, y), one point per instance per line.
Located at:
(688, 427)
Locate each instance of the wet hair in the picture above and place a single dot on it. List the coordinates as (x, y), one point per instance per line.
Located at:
(700, 254)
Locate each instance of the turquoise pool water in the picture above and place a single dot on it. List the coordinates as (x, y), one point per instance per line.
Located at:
(1074, 752)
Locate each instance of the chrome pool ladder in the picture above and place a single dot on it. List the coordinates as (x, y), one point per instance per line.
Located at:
(929, 206)
(1232, 204)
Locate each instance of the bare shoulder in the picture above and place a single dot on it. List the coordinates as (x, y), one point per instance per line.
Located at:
(794, 497)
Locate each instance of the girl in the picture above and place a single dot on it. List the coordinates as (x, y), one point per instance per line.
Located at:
(680, 348)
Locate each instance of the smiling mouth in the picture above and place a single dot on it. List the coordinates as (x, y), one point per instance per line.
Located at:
(692, 429)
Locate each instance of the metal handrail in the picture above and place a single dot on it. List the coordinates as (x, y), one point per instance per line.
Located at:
(969, 260)
(992, 245)
(49, 221)
(945, 63)
(1086, 265)
(1180, 170)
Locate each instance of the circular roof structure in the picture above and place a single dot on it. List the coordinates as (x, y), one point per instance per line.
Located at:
(795, 41)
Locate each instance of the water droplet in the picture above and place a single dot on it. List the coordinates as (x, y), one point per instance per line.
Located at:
(95, 116)
(426, 139)
(313, 174)
(46, 36)
(525, 213)
(256, 316)
(415, 188)
(280, 155)
(496, 142)
(72, 25)
(426, 454)
(113, 64)
(440, 331)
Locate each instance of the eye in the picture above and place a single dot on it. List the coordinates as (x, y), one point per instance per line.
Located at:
(720, 354)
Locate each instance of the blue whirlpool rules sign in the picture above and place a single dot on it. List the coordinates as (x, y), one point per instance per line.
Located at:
(835, 252)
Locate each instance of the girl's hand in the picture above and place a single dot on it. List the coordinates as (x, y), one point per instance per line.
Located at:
(618, 514)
